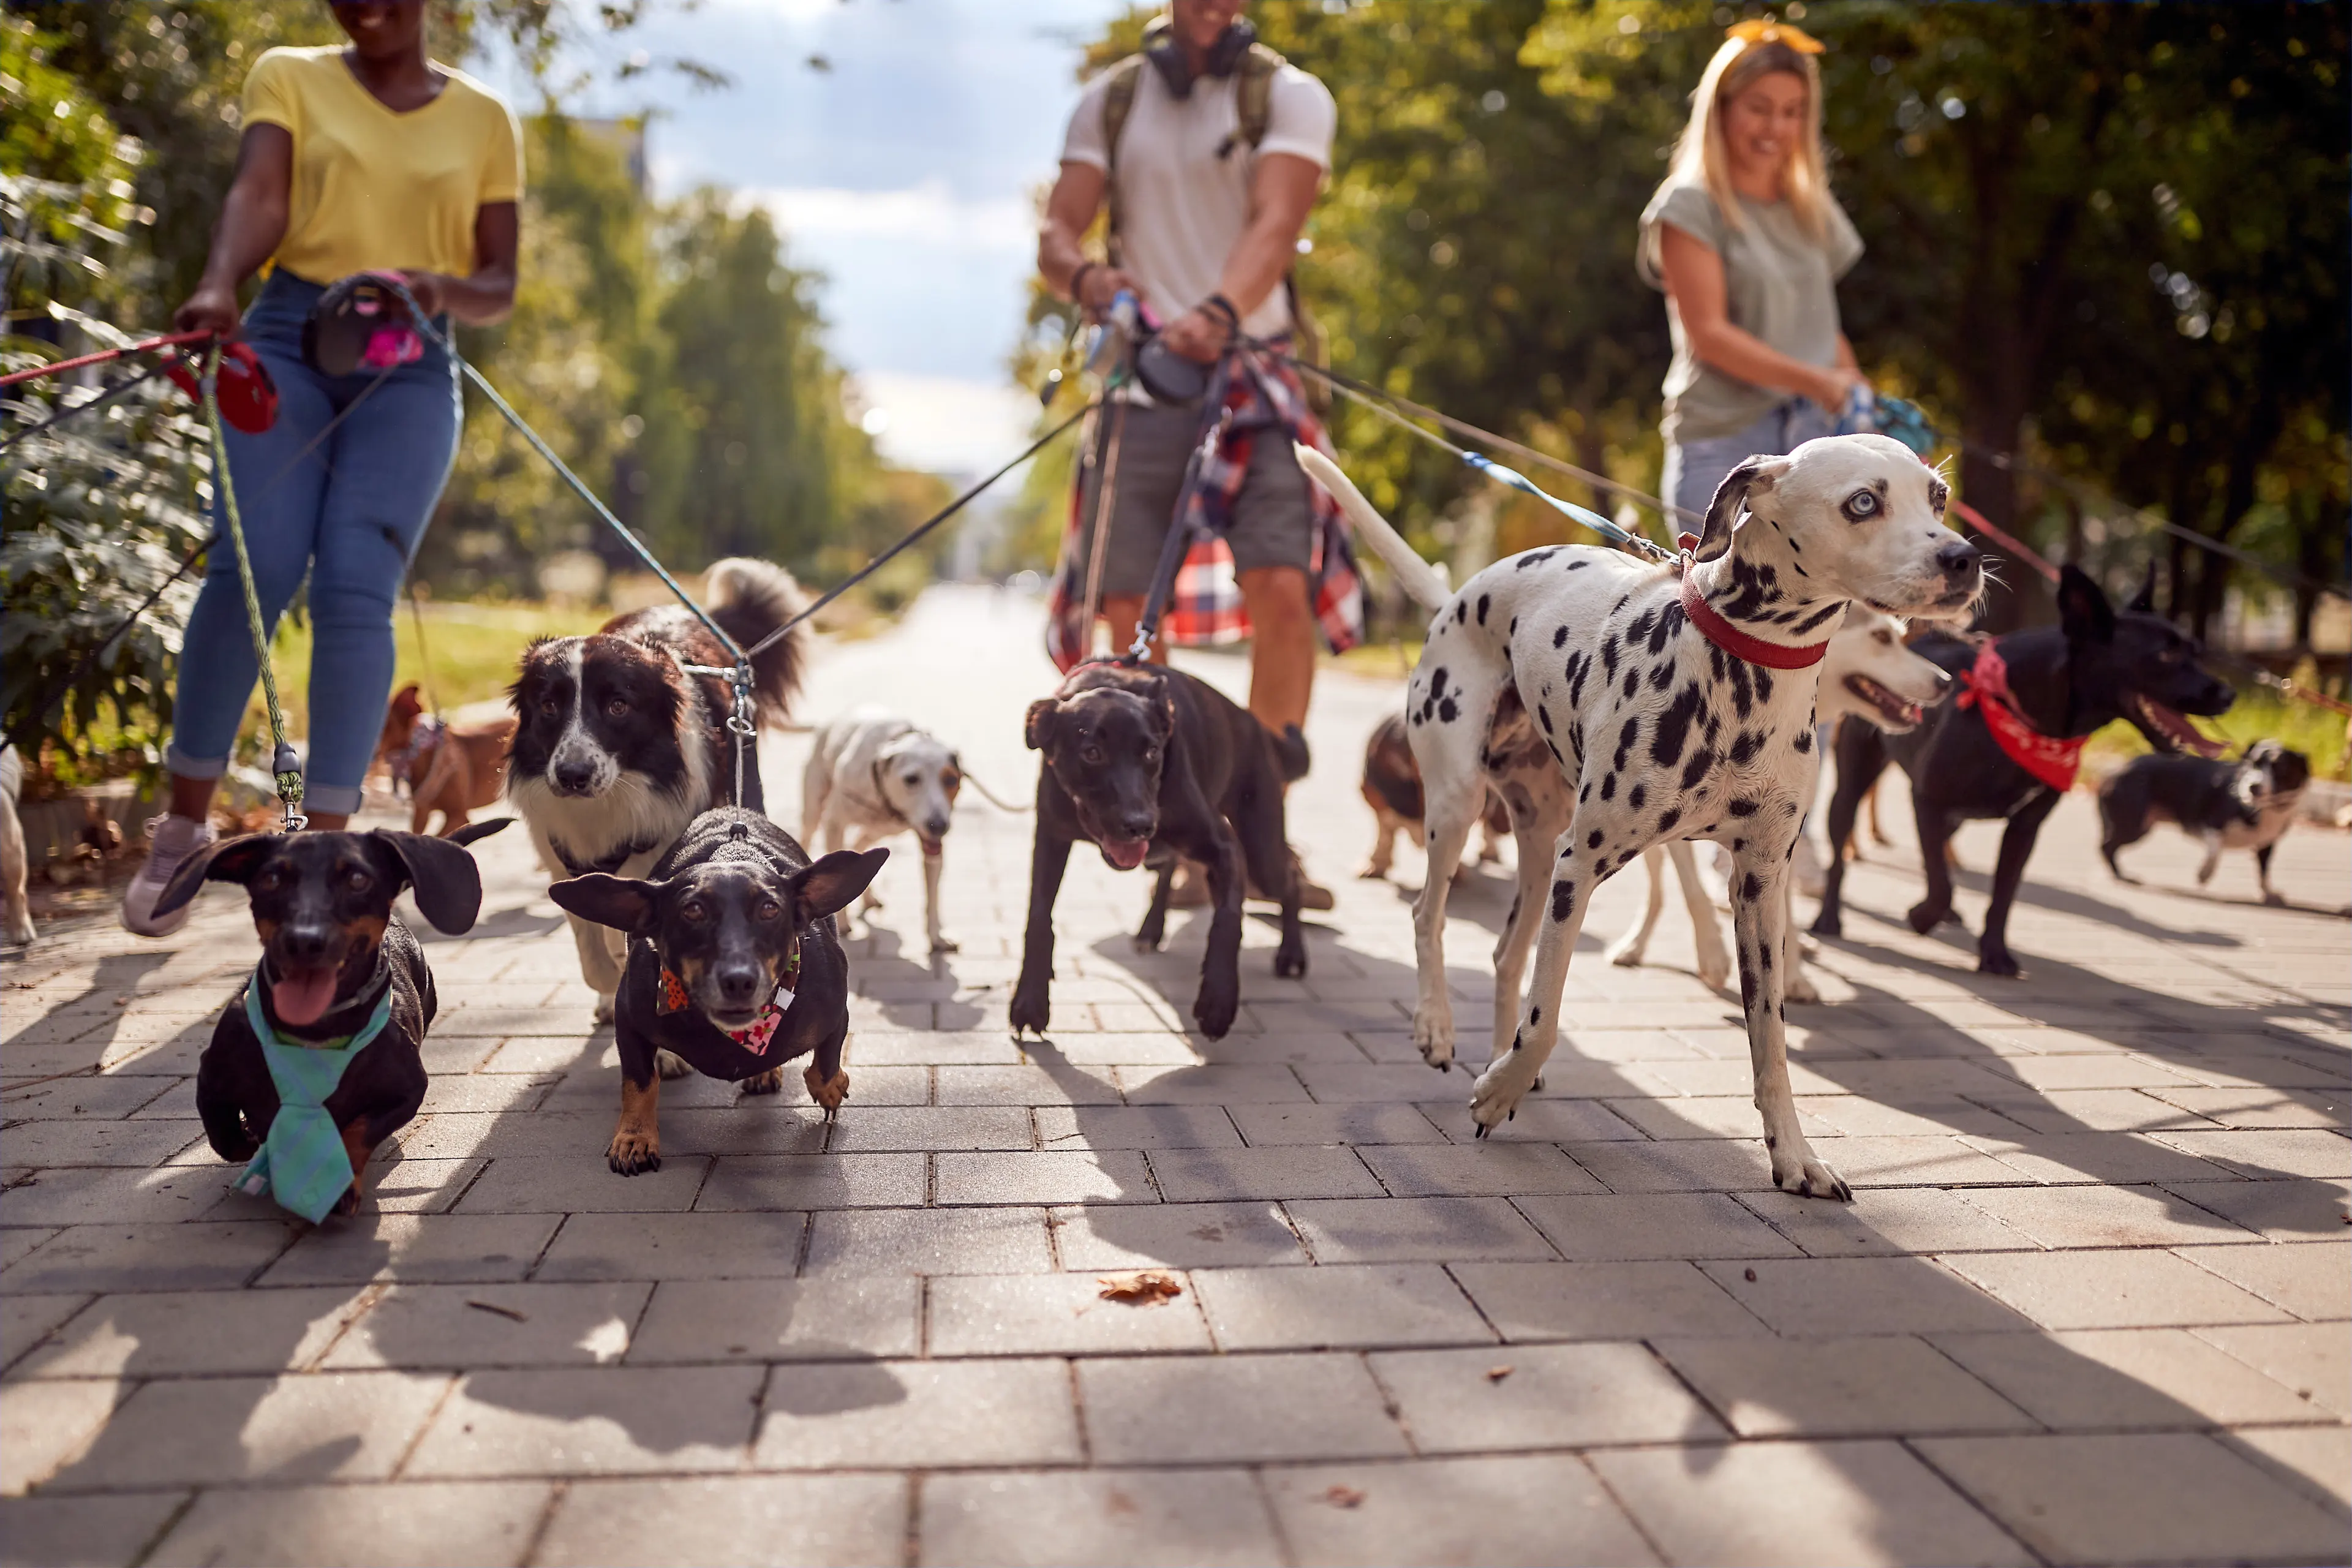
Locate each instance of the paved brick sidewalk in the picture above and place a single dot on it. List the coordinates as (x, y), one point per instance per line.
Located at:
(2090, 1305)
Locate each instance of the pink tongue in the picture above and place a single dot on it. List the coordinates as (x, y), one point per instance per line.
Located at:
(1126, 854)
(300, 997)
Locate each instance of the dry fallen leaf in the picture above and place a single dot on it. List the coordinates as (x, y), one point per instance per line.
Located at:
(1344, 1496)
(1497, 1373)
(502, 1311)
(1145, 1287)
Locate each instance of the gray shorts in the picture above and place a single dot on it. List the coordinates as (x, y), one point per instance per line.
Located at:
(1273, 523)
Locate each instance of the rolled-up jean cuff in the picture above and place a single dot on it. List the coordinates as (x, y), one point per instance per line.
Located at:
(180, 763)
(344, 800)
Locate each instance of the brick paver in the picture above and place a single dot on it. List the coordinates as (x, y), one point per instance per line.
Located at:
(2090, 1304)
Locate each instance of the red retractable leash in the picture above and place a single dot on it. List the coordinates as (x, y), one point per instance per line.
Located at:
(248, 398)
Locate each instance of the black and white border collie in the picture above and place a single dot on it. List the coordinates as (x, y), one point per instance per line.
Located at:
(618, 749)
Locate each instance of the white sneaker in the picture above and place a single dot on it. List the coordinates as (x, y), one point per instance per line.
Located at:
(170, 841)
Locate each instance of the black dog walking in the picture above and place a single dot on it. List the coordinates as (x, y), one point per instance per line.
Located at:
(318, 1059)
(734, 965)
(2006, 745)
(1149, 763)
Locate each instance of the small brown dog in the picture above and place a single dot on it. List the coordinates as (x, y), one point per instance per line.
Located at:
(1392, 789)
(452, 765)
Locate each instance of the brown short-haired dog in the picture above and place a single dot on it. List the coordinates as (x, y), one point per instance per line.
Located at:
(455, 766)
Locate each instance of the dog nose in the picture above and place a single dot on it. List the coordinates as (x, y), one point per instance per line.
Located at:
(305, 945)
(573, 775)
(935, 827)
(1133, 826)
(739, 983)
(1959, 559)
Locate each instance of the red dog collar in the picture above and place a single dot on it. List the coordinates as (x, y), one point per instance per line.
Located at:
(1738, 644)
(2052, 759)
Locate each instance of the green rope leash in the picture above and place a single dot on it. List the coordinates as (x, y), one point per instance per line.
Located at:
(284, 762)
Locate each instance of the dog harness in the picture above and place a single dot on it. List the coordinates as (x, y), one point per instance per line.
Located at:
(1740, 645)
(2053, 759)
(754, 1036)
(303, 1163)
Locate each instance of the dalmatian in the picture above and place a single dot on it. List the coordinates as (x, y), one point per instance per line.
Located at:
(1868, 674)
(874, 776)
(1619, 703)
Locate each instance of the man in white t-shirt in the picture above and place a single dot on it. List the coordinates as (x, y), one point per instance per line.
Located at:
(1208, 228)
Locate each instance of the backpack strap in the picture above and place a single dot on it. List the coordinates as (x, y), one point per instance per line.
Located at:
(1253, 99)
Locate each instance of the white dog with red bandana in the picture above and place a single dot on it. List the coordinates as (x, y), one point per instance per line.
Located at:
(1619, 703)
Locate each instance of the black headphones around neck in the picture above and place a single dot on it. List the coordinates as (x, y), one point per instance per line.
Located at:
(1167, 56)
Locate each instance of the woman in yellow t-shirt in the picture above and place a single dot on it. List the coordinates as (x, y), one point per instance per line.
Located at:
(371, 157)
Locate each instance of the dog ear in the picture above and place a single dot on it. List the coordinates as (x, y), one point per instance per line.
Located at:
(227, 861)
(1760, 473)
(832, 882)
(2084, 613)
(475, 832)
(448, 884)
(407, 703)
(622, 902)
(1038, 727)
(2144, 602)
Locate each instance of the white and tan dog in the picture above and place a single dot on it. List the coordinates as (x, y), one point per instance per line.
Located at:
(1619, 703)
(1867, 674)
(874, 776)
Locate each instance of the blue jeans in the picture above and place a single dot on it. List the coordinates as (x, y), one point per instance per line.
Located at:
(350, 513)
(1695, 469)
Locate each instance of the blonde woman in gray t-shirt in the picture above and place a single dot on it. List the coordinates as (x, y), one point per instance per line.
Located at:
(1748, 244)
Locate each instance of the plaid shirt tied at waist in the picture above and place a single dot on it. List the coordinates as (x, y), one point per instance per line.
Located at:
(1264, 395)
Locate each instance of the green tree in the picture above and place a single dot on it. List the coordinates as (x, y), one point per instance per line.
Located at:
(741, 429)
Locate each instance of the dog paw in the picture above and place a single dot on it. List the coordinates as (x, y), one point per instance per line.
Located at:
(1801, 988)
(1433, 1037)
(828, 1092)
(1827, 923)
(1214, 1009)
(1030, 1010)
(349, 1204)
(633, 1153)
(603, 1011)
(1998, 960)
(1625, 955)
(1925, 916)
(1373, 874)
(2274, 900)
(769, 1082)
(1290, 960)
(669, 1064)
(1797, 1171)
(1716, 976)
(1495, 1097)
(946, 944)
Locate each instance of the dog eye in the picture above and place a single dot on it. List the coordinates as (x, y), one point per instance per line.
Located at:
(695, 912)
(550, 707)
(914, 778)
(1884, 636)
(617, 707)
(768, 909)
(358, 881)
(1091, 754)
(1862, 504)
(1150, 755)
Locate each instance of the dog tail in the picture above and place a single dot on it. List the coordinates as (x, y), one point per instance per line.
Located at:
(1417, 577)
(750, 599)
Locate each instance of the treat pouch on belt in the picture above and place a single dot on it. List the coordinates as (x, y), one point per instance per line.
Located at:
(303, 1163)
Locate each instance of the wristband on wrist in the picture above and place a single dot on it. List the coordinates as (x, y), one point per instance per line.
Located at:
(1225, 308)
(1078, 280)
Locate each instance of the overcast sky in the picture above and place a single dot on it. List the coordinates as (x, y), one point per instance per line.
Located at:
(903, 173)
